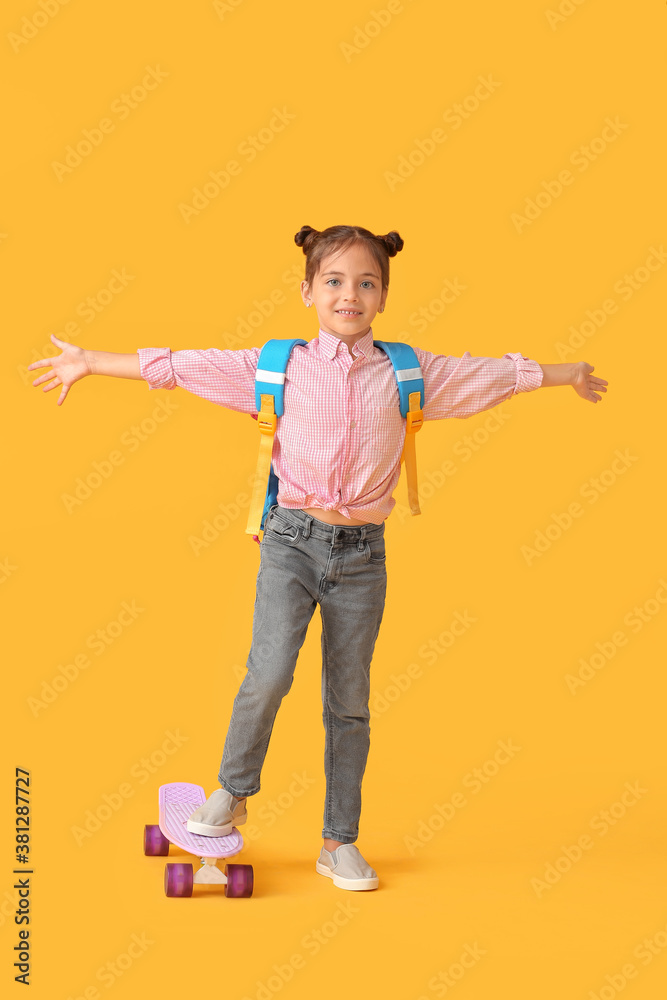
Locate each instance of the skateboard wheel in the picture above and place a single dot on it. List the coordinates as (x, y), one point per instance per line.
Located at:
(239, 880)
(178, 880)
(155, 842)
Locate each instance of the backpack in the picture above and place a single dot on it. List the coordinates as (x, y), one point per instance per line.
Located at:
(269, 392)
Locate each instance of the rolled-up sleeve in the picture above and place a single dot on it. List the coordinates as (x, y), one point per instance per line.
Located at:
(223, 377)
(461, 387)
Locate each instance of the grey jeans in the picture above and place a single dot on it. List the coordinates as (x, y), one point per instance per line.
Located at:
(305, 562)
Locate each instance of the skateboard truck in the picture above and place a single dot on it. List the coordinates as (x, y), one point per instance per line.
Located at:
(209, 873)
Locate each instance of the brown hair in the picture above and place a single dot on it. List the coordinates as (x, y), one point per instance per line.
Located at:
(317, 245)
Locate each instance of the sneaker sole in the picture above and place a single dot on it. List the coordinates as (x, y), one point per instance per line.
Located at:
(347, 883)
(208, 830)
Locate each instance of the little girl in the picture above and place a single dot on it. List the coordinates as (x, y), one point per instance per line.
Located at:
(337, 456)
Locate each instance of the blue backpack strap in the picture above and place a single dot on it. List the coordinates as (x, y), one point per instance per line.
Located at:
(269, 389)
(407, 371)
(270, 375)
(410, 383)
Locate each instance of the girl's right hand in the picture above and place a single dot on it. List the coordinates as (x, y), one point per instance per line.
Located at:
(68, 368)
(586, 385)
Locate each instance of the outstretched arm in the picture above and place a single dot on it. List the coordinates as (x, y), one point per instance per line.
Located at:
(74, 363)
(462, 387)
(110, 363)
(578, 375)
(224, 377)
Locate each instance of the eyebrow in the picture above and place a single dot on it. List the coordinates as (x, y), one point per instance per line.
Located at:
(366, 274)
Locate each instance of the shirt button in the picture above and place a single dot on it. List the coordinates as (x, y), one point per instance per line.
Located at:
(353, 423)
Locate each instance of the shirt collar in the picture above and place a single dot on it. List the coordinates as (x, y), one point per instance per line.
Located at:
(330, 345)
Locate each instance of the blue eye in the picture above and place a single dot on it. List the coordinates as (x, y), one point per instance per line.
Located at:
(365, 282)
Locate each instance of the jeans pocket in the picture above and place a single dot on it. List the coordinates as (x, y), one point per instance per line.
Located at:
(282, 530)
(375, 551)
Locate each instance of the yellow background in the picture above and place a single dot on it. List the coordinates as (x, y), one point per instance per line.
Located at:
(175, 669)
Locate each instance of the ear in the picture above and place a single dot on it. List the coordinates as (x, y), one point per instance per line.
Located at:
(305, 291)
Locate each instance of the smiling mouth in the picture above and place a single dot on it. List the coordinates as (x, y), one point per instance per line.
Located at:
(348, 312)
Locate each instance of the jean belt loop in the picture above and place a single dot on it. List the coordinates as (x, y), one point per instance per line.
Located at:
(306, 528)
(361, 544)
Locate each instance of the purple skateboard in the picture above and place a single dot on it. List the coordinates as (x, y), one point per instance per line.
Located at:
(178, 801)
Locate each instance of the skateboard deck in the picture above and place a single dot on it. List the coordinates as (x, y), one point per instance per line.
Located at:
(177, 801)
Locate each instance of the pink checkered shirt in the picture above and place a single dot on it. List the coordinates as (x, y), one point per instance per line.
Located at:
(338, 444)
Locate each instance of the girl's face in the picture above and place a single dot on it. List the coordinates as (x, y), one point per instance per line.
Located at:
(347, 293)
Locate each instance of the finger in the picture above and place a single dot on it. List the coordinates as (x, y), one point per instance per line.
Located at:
(43, 378)
(42, 363)
(58, 342)
(52, 385)
(61, 398)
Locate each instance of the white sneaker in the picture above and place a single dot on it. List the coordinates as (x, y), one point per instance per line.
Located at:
(218, 815)
(347, 868)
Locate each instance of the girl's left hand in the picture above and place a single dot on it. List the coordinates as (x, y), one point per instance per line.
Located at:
(586, 385)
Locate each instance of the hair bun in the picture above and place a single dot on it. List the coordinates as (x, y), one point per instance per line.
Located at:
(392, 242)
(302, 236)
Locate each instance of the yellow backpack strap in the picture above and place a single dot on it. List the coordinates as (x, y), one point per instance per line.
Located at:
(269, 401)
(414, 422)
(410, 382)
(266, 421)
